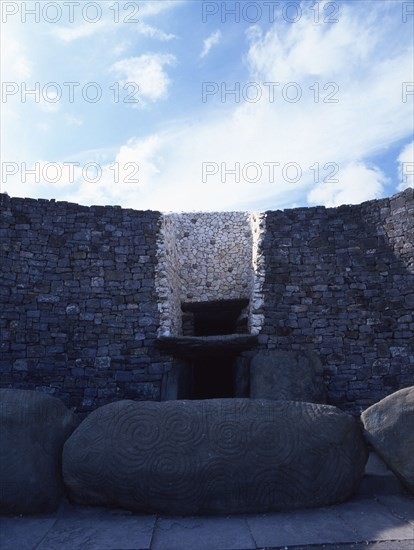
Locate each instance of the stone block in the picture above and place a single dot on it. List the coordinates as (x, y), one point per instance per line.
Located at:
(287, 375)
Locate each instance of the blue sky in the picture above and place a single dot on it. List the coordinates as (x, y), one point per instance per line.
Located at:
(322, 113)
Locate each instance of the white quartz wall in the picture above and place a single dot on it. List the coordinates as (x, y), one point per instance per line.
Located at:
(207, 257)
(167, 281)
(256, 312)
(214, 255)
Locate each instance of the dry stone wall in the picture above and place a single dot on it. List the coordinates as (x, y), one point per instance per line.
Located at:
(84, 293)
(340, 282)
(78, 303)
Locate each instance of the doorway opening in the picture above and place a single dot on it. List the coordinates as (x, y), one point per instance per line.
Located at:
(212, 377)
(215, 318)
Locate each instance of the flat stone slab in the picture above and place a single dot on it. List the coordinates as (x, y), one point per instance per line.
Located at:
(77, 528)
(203, 533)
(374, 521)
(100, 532)
(187, 346)
(355, 525)
(300, 527)
(24, 533)
(214, 456)
(400, 506)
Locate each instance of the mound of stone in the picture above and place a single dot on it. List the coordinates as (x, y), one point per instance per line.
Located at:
(389, 427)
(287, 375)
(214, 456)
(34, 427)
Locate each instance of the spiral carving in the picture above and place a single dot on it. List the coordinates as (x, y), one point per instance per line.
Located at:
(213, 456)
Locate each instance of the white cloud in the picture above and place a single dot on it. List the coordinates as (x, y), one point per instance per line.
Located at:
(127, 16)
(15, 62)
(368, 115)
(85, 30)
(356, 183)
(120, 48)
(304, 49)
(42, 177)
(147, 71)
(153, 32)
(128, 177)
(149, 8)
(44, 127)
(367, 55)
(17, 68)
(72, 120)
(406, 167)
(69, 34)
(49, 101)
(209, 42)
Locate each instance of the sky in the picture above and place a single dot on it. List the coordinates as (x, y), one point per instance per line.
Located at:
(191, 105)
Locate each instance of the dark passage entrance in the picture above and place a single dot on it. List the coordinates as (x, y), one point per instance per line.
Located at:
(215, 318)
(209, 366)
(212, 377)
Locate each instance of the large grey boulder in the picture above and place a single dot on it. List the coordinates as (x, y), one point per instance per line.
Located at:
(214, 456)
(389, 427)
(34, 427)
(287, 375)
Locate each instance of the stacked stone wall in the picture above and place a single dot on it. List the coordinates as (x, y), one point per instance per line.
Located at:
(84, 293)
(340, 282)
(79, 309)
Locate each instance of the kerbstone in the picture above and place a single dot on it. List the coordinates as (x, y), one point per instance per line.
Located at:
(389, 427)
(214, 456)
(34, 428)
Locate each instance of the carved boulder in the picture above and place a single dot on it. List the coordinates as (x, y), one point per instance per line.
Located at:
(214, 456)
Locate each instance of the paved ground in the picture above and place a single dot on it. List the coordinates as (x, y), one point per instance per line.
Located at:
(379, 517)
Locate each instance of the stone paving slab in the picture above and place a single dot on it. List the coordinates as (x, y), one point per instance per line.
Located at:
(300, 527)
(355, 525)
(374, 521)
(100, 533)
(24, 533)
(202, 533)
(400, 506)
(381, 545)
(384, 522)
(78, 529)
